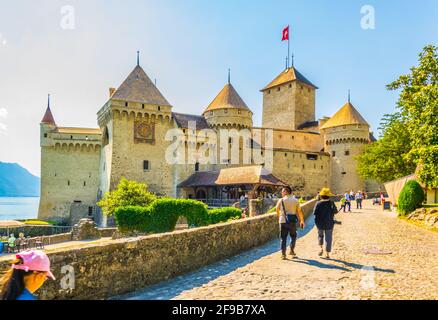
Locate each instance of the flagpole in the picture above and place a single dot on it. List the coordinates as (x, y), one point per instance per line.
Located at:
(288, 47)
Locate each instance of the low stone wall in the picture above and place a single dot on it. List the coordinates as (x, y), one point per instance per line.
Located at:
(35, 230)
(59, 238)
(107, 232)
(102, 270)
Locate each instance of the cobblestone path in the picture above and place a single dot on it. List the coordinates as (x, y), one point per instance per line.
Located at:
(375, 256)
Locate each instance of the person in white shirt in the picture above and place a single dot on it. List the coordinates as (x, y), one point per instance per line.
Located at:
(289, 215)
(359, 197)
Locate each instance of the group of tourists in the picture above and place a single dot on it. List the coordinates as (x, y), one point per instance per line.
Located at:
(290, 215)
(349, 197)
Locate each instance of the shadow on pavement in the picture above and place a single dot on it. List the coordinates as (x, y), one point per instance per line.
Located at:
(169, 289)
(320, 264)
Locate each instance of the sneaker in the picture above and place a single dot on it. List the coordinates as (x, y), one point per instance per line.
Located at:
(321, 253)
(292, 253)
(327, 255)
(283, 257)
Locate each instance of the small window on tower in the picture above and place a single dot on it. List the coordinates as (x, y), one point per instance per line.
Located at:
(347, 153)
(142, 106)
(45, 135)
(126, 104)
(85, 183)
(146, 165)
(225, 110)
(333, 153)
(290, 85)
(278, 89)
(197, 166)
(159, 108)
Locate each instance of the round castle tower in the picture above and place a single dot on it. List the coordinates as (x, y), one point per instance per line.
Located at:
(228, 110)
(345, 136)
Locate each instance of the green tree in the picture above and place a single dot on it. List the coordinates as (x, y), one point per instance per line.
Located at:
(418, 104)
(409, 138)
(386, 159)
(127, 193)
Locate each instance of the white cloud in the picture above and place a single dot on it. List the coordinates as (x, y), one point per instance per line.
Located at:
(3, 115)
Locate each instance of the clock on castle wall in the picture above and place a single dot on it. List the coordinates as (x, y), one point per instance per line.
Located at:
(144, 132)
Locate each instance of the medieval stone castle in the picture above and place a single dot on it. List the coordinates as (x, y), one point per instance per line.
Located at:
(78, 165)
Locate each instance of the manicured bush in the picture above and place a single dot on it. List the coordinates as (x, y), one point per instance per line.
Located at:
(224, 214)
(411, 197)
(133, 218)
(161, 215)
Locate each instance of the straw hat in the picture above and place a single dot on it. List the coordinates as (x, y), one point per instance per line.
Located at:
(326, 192)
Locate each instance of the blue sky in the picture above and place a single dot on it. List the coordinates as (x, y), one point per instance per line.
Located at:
(188, 47)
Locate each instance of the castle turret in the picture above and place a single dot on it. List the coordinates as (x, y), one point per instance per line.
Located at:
(47, 125)
(288, 101)
(345, 136)
(228, 110)
(134, 122)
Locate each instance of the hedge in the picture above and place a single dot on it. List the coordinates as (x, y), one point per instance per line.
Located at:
(224, 214)
(162, 215)
(411, 197)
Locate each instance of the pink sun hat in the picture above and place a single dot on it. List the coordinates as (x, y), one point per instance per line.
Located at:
(34, 260)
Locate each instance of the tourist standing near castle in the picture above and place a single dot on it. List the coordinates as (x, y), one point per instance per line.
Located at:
(289, 214)
(359, 197)
(324, 212)
(347, 202)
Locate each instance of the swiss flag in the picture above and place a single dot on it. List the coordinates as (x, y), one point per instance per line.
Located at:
(285, 34)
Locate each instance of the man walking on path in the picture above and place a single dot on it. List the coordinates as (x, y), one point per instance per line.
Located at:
(359, 198)
(324, 212)
(289, 214)
(347, 202)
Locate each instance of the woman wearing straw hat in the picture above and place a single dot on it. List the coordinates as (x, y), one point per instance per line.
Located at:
(324, 212)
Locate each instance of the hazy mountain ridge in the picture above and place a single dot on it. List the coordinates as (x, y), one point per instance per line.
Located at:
(16, 181)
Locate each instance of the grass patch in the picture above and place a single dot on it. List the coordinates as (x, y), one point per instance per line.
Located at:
(38, 222)
(418, 224)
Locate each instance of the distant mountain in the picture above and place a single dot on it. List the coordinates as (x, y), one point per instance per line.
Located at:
(15, 181)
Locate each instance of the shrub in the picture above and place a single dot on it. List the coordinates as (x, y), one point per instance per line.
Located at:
(127, 193)
(161, 215)
(132, 218)
(224, 214)
(411, 197)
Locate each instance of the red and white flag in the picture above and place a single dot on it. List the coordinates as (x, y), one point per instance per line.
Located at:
(285, 34)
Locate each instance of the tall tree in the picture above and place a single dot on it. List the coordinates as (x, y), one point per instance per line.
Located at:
(418, 104)
(386, 159)
(409, 137)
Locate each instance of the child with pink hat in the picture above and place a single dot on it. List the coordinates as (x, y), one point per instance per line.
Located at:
(27, 275)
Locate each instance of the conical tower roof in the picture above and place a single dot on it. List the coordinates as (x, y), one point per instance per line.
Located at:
(227, 98)
(48, 116)
(139, 88)
(288, 75)
(345, 116)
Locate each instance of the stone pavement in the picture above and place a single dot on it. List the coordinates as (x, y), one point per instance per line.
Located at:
(375, 256)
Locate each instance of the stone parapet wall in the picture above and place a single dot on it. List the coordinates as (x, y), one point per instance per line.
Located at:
(110, 268)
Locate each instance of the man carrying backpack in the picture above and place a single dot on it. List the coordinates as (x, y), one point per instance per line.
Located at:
(289, 215)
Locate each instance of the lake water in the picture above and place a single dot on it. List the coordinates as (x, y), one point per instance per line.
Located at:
(18, 208)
